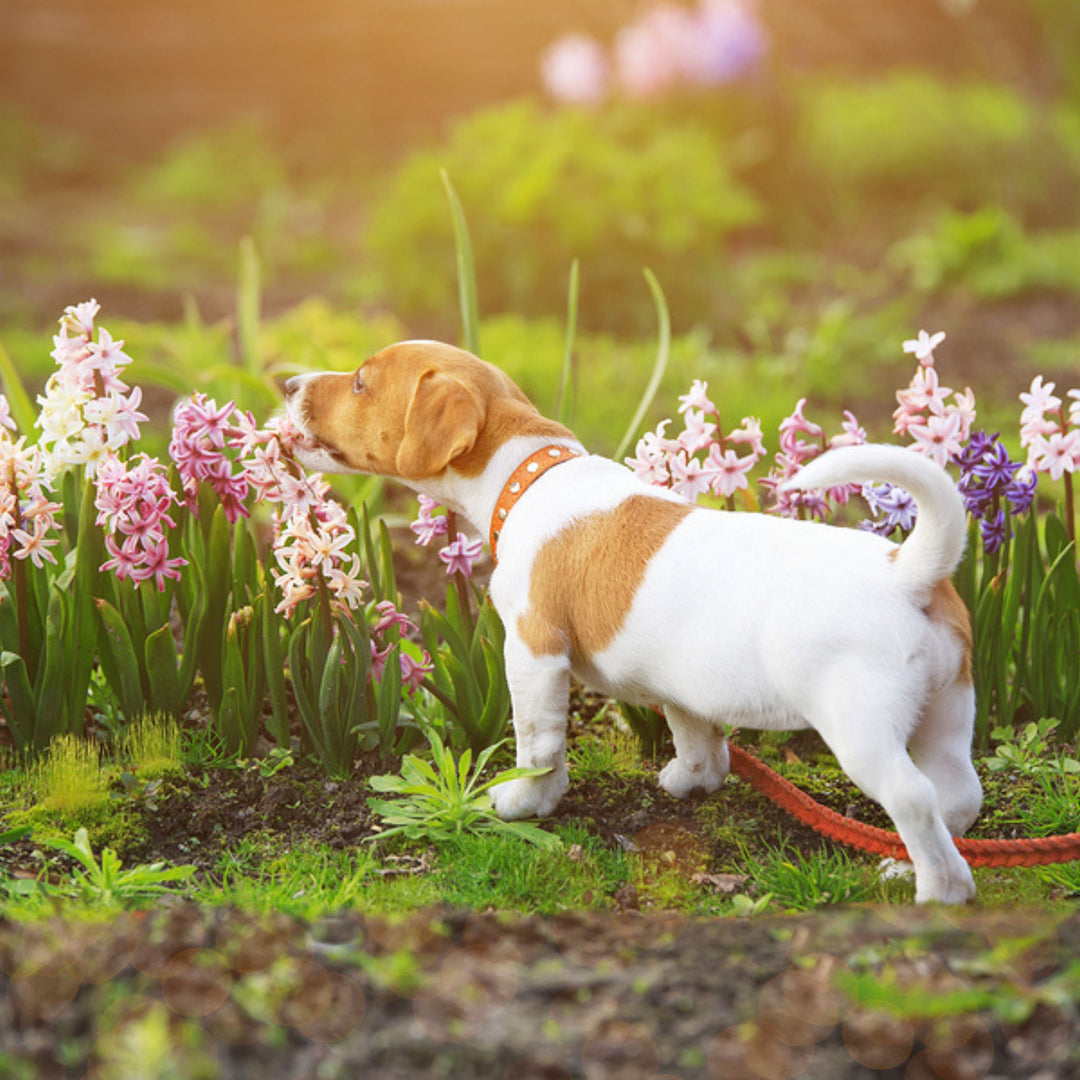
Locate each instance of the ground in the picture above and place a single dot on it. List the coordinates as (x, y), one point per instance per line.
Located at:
(473, 994)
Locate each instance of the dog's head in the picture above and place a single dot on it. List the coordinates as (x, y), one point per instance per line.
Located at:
(410, 411)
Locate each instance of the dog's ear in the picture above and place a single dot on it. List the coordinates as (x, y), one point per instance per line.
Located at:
(443, 420)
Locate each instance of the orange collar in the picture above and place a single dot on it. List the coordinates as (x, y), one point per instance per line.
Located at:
(521, 479)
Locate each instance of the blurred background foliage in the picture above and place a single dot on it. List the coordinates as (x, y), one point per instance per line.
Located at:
(884, 166)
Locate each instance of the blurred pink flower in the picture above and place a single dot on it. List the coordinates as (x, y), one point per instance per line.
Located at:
(671, 46)
(649, 53)
(729, 41)
(574, 70)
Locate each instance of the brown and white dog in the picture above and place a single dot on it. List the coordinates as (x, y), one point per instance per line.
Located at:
(720, 617)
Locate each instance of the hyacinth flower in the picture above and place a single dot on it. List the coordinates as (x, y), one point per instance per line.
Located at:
(88, 413)
(802, 440)
(1051, 435)
(939, 427)
(28, 526)
(703, 458)
(459, 555)
(312, 538)
(995, 488)
(133, 500)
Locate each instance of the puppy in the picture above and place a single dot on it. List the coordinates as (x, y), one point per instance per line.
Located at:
(734, 618)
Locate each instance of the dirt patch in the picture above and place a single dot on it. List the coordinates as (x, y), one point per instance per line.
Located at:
(450, 993)
(199, 818)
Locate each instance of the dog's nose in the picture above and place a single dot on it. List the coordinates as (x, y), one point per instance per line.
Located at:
(292, 385)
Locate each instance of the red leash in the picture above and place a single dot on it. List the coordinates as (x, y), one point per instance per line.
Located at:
(1035, 852)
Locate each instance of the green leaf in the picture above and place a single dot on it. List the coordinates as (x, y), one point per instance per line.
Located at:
(23, 411)
(248, 304)
(466, 269)
(274, 661)
(119, 661)
(161, 672)
(49, 685)
(22, 714)
(663, 351)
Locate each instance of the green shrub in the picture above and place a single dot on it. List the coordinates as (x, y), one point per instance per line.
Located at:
(989, 253)
(618, 189)
(230, 166)
(910, 139)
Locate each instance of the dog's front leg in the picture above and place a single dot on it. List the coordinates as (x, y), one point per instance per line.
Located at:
(540, 694)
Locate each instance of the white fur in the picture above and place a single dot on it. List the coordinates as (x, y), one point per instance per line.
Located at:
(752, 620)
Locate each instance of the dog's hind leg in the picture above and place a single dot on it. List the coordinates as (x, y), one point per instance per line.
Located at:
(941, 747)
(866, 723)
(701, 755)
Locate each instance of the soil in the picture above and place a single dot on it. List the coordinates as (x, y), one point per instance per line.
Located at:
(629, 996)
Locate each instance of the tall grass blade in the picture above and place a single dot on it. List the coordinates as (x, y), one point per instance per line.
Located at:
(566, 383)
(248, 306)
(466, 269)
(663, 351)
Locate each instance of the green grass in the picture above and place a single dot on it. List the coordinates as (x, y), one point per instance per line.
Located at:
(478, 872)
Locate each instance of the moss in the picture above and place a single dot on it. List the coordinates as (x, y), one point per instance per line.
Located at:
(109, 824)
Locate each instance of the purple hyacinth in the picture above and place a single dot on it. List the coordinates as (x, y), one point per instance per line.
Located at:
(892, 507)
(996, 469)
(988, 476)
(994, 532)
(1021, 492)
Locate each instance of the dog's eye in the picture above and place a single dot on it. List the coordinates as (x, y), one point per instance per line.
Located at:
(358, 383)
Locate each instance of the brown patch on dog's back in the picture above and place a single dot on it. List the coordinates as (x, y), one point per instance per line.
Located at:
(586, 577)
(948, 608)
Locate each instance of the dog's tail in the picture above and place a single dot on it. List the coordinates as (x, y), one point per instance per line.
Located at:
(936, 544)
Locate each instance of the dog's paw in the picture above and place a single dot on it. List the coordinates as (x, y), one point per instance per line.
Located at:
(954, 886)
(679, 779)
(528, 797)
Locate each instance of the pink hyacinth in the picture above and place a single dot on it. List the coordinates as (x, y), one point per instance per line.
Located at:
(676, 464)
(87, 411)
(224, 447)
(428, 525)
(1049, 432)
(460, 555)
(937, 420)
(133, 500)
(28, 525)
(802, 440)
